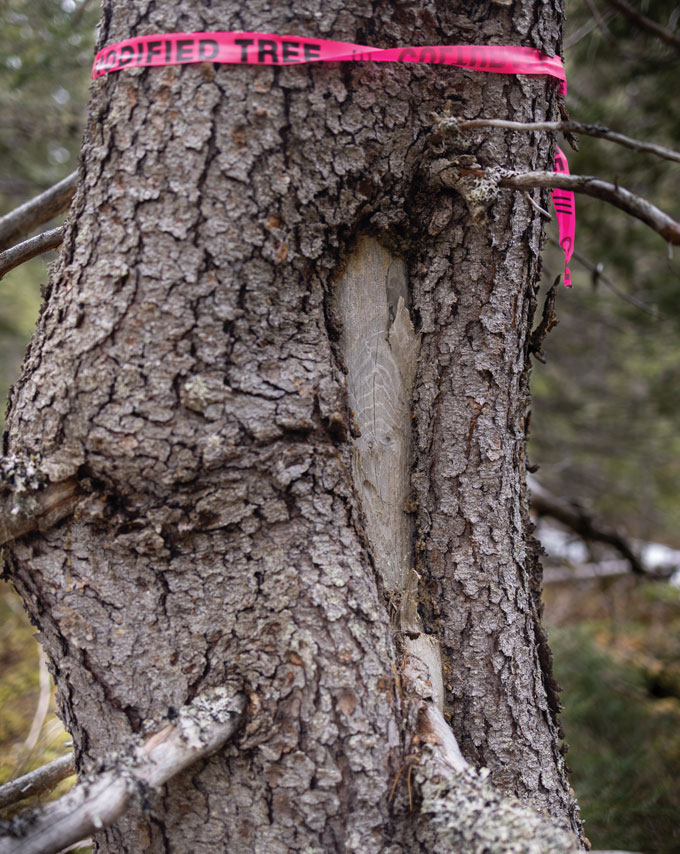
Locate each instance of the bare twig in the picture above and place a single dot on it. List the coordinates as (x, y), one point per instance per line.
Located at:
(43, 779)
(21, 221)
(43, 509)
(600, 276)
(202, 727)
(535, 205)
(621, 198)
(600, 20)
(646, 23)
(22, 252)
(575, 127)
(81, 843)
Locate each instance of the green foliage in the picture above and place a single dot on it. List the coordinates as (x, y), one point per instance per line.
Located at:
(45, 52)
(624, 745)
(606, 423)
(19, 691)
(19, 304)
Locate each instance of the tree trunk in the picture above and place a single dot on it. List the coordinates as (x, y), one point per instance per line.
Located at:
(292, 377)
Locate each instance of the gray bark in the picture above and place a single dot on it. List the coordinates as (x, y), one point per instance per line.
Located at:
(194, 369)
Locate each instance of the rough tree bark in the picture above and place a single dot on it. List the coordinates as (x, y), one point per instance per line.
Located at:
(291, 380)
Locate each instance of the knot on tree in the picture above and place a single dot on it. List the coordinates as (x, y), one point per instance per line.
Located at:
(462, 173)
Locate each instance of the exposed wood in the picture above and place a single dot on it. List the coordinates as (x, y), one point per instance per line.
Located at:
(380, 349)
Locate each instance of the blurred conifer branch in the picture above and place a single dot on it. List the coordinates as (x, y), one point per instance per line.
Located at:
(646, 23)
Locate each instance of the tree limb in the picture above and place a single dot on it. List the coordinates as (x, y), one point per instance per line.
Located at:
(575, 127)
(646, 23)
(621, 198)
(467, 812)
(584, 525)
(43, 779)
(21, 221)
(202, 728)
(459, 803)
(22, 252)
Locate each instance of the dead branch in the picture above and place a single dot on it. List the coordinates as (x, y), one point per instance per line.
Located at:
(597, 131)
(646, 23)
(621, 198)
(467, 812)
(202, 728)
(43, 779)
(21, 221)
(584, 525)
(36, 510)
(22, 252)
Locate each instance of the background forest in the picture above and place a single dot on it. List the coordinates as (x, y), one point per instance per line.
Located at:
(606, 414)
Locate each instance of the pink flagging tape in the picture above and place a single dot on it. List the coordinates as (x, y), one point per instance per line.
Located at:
(270, 49)
(565, 211)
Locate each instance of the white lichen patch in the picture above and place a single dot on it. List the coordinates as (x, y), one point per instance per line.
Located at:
(472, 817)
